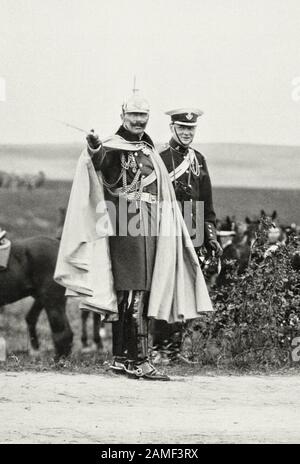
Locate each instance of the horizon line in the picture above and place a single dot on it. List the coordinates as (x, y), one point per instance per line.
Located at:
(157, 143)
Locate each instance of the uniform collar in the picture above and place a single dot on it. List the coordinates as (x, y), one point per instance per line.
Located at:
(177, 147)
(127, 135)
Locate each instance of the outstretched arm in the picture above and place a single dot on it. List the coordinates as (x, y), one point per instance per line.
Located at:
(95, 149)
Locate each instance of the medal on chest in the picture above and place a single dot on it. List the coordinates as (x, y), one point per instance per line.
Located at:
(130, 163)
(146, 150)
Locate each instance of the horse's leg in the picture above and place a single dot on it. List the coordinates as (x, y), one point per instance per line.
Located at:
(55, 306)
(96, 330)
(61, 330)
(84, 335)
(31, 320)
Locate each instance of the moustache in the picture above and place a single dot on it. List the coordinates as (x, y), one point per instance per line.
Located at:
(139, 124)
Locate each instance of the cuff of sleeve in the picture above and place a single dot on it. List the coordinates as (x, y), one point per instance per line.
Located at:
(93, 151)
(210, 231)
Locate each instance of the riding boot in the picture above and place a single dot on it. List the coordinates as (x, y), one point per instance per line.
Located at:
(138, 365)
(161, 334)
(182, 334)
(137, 328)
(175, 342)
(168, 342)
(119, 335)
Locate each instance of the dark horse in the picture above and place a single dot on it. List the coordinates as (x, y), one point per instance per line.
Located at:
(30, 273)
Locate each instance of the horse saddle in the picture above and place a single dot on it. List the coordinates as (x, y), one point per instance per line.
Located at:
(5, 247)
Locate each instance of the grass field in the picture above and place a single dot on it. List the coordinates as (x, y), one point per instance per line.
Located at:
(27, 213)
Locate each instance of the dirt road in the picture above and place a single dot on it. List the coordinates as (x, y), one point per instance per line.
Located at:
(77, 408)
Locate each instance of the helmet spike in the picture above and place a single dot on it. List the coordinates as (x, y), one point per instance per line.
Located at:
(134, 90)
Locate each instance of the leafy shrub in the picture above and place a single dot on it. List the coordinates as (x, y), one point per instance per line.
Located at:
(257, 314)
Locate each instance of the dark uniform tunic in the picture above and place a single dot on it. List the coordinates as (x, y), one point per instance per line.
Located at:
(187, 187)
(132, 256)
(190, 187)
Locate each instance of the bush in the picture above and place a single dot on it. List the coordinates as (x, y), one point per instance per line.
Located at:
(257, 313)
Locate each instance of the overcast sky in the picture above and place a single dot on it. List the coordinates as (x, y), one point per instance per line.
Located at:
(74, 60)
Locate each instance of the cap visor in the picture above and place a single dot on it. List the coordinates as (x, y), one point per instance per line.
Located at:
(191, 124)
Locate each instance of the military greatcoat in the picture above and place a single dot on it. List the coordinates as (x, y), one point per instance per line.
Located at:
(132, 257)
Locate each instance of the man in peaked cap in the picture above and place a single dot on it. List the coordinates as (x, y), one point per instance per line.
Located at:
(192, 181)
(189, 173)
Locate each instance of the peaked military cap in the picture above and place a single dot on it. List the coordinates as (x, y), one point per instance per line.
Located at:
(185, 116)
(136, 104)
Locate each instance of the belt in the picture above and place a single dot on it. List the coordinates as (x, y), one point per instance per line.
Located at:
(136, 196)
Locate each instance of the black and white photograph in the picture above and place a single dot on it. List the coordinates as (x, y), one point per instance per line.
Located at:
(149, 225)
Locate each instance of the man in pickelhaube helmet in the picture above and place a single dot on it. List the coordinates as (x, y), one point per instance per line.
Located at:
(155, 275)
(189, 174)
(132, 257)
